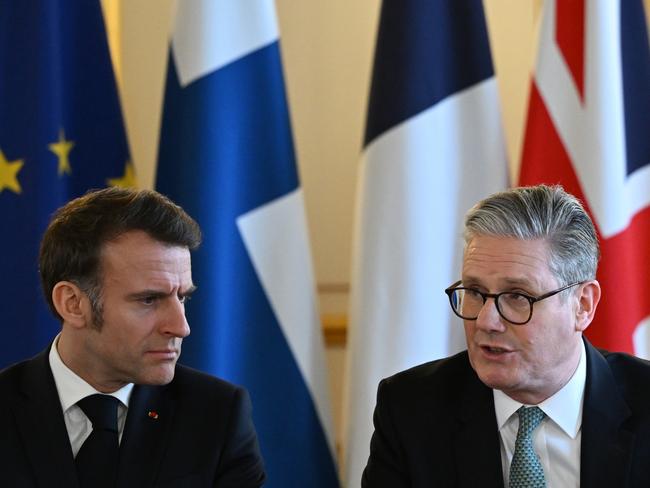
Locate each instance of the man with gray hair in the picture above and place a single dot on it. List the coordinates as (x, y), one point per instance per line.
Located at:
(530, 403)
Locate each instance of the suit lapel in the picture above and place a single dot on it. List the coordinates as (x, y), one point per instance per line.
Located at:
(477, 447)
(147, 426)
(40, 421)
(606, 446)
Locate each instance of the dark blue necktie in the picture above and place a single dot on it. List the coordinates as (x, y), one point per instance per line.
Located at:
(98, 457)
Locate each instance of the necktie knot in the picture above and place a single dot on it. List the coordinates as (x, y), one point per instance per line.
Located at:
(529, 419)
(101, 410)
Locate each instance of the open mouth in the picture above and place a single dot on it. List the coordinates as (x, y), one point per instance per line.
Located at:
(495, 350)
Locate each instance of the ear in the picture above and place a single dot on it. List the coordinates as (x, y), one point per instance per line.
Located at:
(588, 298)
(72, 304)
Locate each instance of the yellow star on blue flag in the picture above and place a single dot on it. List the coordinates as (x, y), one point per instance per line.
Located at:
(127, 180)
(62, 149)
(61, 134)
(9, 174)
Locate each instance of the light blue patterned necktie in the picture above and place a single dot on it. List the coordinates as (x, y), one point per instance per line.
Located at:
(525, 470)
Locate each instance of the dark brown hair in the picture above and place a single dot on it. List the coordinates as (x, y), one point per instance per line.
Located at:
(74, 239)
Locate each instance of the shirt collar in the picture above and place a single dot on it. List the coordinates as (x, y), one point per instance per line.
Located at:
(564, 407)
(73, 388)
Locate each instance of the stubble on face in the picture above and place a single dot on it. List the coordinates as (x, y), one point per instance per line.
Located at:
(143, 288)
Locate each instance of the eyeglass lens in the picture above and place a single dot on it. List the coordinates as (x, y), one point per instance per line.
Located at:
(513, 307)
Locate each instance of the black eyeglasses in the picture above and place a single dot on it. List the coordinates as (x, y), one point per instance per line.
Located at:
(516, 308)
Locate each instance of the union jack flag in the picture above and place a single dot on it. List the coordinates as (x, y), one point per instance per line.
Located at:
(587, 129)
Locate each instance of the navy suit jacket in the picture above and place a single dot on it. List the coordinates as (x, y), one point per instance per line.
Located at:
(203, 434)
(435, 425)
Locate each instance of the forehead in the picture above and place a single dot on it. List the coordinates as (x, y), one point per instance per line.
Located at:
(136, 252)
(507, 259)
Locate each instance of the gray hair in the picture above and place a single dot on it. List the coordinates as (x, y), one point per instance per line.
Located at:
(541, 212)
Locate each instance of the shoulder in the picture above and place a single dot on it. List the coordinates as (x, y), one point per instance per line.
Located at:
(189, 377)
(10, 374)
(191, 384)
(203, 404)
(419, 415)
(631, 374)
(434, 373)
(10, 380)
(626, 363)
(616, 375)
(212, 427)
(13, 377)
(443, 381)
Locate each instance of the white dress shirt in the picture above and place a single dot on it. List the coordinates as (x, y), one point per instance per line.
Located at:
(557, 439)
(71, 389)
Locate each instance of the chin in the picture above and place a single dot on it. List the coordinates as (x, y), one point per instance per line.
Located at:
(162, 377)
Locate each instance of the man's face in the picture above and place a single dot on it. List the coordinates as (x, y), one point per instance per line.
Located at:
(527, 362)
(144, 287)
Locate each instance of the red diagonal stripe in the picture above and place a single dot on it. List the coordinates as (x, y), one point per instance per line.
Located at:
(624, 275)
(624, 269)
(570, 37)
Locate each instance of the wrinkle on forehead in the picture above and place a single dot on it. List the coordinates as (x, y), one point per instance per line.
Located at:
(512, 261)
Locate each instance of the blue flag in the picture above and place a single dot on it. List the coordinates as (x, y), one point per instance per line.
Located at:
(226, 155)
(61, 133)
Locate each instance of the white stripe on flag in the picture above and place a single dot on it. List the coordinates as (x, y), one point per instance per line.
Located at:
(208, 34)
(417, 181)
(593, 130)
(275, 236)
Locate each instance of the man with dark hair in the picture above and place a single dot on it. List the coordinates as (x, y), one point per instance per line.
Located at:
(106, 404)
(530, 403)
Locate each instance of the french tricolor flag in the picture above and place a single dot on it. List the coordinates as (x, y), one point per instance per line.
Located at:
(588, 129)
(433, 147)
(226, 155)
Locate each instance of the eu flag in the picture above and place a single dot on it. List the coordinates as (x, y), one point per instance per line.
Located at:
(226, 155)
(61, 133)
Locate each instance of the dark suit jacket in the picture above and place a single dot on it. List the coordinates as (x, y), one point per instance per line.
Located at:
(435, 425)
(203, 436)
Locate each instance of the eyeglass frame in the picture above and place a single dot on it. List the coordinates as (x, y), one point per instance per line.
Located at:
(531, 299)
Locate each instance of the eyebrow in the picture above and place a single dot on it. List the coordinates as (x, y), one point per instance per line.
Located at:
(159, 294)
(189, 291)
(518, 281)
(507, 281)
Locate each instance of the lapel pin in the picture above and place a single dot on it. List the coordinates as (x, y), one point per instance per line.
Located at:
(152, 414)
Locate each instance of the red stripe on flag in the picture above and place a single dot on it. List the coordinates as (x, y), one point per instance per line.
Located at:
(570, 37)
(624, 269)
(544, 159)
(624, 275)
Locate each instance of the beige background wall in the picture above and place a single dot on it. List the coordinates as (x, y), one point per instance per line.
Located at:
(327, 48)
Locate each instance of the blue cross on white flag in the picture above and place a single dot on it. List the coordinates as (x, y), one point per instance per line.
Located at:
(226, 155)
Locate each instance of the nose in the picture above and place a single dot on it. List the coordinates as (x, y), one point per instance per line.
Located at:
(489, 319)
(175, 323)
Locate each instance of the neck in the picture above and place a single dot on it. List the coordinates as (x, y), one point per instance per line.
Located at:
(67, 348)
